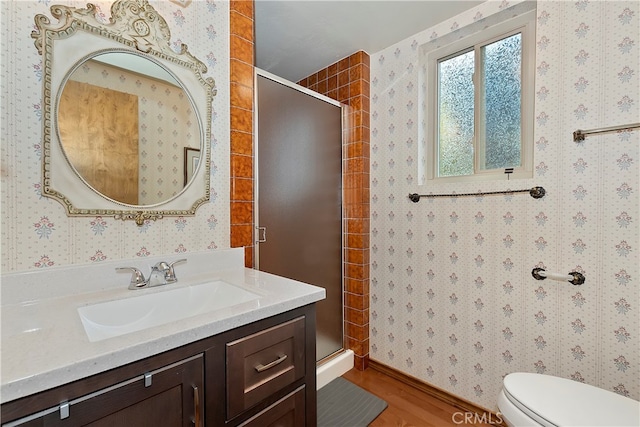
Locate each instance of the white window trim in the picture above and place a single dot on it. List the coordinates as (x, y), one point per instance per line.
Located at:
(524, 23)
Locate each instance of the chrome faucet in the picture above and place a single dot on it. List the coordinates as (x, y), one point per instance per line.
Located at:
(162, 273)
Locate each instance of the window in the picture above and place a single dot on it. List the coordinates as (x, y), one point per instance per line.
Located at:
(480, 93)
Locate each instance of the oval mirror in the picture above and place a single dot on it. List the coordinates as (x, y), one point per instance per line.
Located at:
(128, 128)
(126, 114)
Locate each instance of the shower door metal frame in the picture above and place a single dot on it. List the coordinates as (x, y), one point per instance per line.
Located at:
(257, 234)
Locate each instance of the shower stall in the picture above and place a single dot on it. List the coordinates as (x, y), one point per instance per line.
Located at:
(298, 212)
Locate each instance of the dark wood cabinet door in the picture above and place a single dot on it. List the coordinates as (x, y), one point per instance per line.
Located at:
(168, 397)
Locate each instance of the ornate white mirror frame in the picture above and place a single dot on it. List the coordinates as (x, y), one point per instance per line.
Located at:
(136, 28)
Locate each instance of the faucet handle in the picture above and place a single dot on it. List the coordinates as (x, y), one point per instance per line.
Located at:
(161, 266)
(171, 273)
(137, 278)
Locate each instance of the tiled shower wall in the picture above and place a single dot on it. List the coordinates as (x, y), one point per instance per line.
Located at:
(453, 302)
(241, 84)
(36, 232)
(347, 81)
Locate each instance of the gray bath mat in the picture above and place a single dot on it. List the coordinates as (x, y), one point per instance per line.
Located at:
(343, 404)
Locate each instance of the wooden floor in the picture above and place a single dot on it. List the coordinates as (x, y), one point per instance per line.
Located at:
(408, 406)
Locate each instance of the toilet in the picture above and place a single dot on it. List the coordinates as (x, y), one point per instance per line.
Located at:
(530, 399)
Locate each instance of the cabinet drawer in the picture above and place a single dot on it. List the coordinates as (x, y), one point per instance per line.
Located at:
(263, 363)
(286, 412)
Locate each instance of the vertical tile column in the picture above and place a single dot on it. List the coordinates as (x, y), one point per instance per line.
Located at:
(347, 81)
(241, 88)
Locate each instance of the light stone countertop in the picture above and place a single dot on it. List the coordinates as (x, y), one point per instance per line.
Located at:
(44, 344)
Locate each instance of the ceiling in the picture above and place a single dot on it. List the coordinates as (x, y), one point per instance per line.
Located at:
(295, 38)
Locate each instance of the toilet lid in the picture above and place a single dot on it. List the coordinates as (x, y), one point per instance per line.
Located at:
(562, 402)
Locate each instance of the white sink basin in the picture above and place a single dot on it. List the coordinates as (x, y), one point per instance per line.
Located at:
(123, 316)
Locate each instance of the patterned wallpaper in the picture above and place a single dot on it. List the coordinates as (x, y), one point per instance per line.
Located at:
(453, 302)
(36, 232)
(167, 124)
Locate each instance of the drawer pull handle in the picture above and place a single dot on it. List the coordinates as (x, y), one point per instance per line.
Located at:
(279, 360)
(196, 404)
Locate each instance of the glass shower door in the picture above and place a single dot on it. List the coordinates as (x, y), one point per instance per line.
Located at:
(299, 197)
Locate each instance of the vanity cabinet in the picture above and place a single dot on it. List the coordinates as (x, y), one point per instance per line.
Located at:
(261, 374)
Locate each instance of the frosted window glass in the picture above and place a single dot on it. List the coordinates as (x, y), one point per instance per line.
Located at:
(479, 104)
(501, 102)
(455, 115)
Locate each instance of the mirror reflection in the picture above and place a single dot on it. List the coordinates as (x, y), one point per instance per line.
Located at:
(128, 128)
